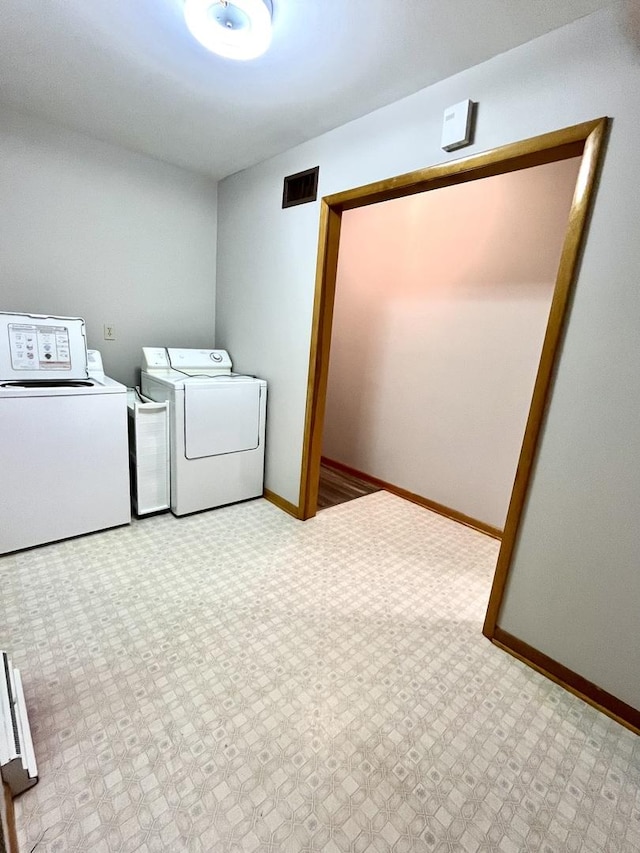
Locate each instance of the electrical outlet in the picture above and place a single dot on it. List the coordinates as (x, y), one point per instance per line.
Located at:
(109, 332)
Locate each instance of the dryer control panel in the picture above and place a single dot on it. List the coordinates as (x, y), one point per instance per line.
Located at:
(209, 362)
(193, 362)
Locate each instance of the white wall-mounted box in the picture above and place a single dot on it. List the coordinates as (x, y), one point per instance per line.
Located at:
(457, 126)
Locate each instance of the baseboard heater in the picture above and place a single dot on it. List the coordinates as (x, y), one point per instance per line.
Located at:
(17, 758)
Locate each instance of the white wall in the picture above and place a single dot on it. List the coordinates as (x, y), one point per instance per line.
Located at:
(92, 230)
(442, 300)
(575, 585)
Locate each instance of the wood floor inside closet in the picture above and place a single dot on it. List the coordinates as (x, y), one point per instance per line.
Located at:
(337, 487)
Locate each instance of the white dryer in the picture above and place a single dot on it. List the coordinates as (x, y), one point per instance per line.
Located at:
(217, 426)
(63, 434)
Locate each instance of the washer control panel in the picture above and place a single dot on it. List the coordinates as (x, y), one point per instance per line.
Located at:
(155, 358)
(42, 347)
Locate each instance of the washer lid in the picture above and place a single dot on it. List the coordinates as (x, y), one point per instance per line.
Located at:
(72, 388)
(41, 347)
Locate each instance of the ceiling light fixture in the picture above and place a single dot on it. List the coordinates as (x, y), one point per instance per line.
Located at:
(235, 29)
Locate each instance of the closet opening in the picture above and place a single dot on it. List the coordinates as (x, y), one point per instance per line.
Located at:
(441, 305)
(584, 141)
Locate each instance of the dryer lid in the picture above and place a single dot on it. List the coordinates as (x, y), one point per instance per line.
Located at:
(221, 417)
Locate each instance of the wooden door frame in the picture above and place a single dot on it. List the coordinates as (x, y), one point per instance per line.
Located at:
(586, 140)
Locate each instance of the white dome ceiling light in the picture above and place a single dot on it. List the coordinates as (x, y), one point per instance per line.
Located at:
(235, 29)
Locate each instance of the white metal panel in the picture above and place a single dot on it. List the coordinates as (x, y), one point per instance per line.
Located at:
(64, 464)
(149, 455)
(221, 417)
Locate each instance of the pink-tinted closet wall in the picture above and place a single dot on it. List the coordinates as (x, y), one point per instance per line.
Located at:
(442, 301)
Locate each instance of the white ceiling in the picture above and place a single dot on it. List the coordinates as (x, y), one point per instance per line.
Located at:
(128, 72)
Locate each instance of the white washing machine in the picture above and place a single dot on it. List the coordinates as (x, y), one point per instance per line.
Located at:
(63, 434)
(217, 426)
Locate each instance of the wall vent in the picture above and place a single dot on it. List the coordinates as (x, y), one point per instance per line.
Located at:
(300, 188)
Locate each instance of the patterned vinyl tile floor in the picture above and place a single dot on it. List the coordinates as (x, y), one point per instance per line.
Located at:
(240, 681)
